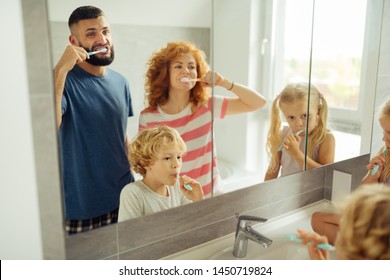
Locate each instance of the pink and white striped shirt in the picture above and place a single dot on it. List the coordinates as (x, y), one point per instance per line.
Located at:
(195, 129)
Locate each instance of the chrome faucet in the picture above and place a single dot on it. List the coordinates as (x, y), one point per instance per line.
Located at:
(244, 231)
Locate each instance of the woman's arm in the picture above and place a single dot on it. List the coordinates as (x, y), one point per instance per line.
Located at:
(247, 99)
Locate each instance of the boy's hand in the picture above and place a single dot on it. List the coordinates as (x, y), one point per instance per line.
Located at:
(196, 193)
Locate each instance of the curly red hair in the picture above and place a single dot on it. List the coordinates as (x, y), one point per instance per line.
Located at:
(157, 76)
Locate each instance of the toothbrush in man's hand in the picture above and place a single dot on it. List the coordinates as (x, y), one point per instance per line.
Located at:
(98, 51)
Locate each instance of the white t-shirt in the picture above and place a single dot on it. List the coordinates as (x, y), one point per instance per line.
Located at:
(137, 200)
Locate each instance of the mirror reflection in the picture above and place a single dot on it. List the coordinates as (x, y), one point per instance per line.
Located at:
(286, 150)
(271, 54)
(340, 66)
(264, 45)
(135, 39)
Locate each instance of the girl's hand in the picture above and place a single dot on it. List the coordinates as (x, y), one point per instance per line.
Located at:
(196, 193)
(311, 239)
(291, 145)
(379, 159)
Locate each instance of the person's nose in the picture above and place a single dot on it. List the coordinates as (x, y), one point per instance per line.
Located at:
(385, 138)
(186, 70)
(102, 38)
(175, 163)
(300, 122)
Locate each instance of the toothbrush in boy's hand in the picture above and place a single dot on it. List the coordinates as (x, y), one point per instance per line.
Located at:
(188, 187)
(376, 167)
(98, 51)
(323, 246)
(296, 133)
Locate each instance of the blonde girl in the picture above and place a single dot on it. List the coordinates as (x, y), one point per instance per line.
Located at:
(178, 84)
(328, 223)
(364, 232)
(379, 166)
(286, 145)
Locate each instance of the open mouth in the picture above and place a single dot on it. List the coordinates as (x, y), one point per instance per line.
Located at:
(185, 80)
(102, 49)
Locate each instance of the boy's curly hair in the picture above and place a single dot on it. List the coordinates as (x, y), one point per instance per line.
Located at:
(148, 143)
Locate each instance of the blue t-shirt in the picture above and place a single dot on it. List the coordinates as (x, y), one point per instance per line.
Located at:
(94, 165)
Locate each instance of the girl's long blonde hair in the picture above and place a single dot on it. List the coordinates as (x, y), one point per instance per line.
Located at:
(296, 92)
(157, 76)
(385, 112)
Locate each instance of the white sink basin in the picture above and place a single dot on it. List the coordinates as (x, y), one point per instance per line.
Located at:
(275, 229)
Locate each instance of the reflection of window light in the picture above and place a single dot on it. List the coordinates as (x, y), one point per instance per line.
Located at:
(337, 47)
(337, 53)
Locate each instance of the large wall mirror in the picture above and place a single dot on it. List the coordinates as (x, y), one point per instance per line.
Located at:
(262, 44)
(139, 28)
(268, 44)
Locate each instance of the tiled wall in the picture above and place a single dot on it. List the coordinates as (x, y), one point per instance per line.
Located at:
(44, 128)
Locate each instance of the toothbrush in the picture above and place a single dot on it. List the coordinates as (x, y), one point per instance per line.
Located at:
(376, 167)
(98, 51)
(188, 187)
(296, 133)
(189, 80)
(323, 246)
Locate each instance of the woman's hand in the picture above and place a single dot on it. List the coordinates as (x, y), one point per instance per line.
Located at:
(207, 79)
(196, 193)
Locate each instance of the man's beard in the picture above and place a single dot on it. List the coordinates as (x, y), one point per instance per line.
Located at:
(100, 61)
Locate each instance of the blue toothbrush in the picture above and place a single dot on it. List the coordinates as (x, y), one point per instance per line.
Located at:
(188, 187)
(376, 167)
(323, 246)
(296, 133)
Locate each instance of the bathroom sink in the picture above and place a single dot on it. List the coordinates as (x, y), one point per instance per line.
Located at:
(276, 229)
(285, 252)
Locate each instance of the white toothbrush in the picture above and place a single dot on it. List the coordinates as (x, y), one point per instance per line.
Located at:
(296, 133)
(376, 167)
(189, 80)
(98, 51)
